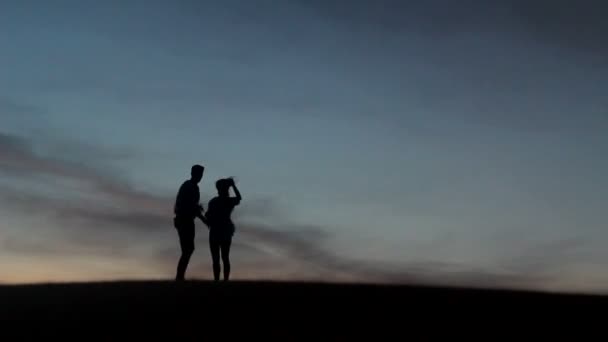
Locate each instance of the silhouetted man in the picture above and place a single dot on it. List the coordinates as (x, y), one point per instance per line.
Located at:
(221, 228)
(187, 208)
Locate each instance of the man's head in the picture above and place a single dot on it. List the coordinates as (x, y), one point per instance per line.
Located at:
(223, 187)
(197, 173)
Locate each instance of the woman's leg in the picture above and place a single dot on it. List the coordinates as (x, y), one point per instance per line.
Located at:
(214, 246)
(226, 257)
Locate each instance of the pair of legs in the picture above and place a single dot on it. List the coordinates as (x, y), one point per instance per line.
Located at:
(185, 230)
(220, 245)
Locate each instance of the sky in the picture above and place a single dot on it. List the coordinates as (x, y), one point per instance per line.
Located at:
(456, 143)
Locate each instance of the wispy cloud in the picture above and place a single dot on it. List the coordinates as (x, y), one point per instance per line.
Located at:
(117, 221)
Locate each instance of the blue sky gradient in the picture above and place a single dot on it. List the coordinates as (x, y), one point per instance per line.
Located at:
(458, 143)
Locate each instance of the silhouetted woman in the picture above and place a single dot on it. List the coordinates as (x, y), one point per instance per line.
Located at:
(221, 228)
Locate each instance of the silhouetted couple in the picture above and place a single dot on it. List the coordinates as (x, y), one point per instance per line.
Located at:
(217, 219)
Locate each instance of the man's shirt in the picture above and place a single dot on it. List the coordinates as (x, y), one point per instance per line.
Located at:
(187, 201)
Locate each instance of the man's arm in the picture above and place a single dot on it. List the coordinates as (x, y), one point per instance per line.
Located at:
(201, 214)
(196, 207)
(203, 218)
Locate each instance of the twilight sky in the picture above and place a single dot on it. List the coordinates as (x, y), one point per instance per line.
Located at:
(446, 142)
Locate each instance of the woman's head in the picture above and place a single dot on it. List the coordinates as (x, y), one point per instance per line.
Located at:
(223, 186)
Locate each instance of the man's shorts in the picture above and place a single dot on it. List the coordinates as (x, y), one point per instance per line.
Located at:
(185, 230)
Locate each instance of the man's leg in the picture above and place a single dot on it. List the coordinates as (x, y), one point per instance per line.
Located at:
(226, 242)
(186, 242)
(214, 246)
(183, 264)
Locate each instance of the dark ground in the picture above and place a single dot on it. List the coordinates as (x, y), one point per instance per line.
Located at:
(290, 311)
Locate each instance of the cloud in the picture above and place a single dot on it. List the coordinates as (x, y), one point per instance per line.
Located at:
(18, 156)
(11, 145)
(121, 223)
(10, 107)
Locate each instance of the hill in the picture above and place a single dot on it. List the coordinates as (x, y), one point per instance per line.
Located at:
(287, 311)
